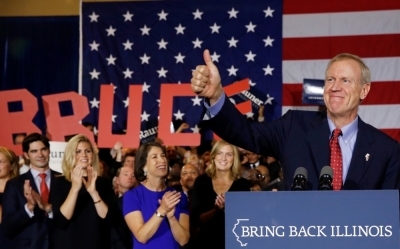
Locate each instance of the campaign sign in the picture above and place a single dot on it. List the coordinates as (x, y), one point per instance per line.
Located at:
(313, 92)
(56, 155)
(312, 219)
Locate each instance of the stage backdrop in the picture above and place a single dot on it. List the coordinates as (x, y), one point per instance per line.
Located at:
(41, 53)
(149, 43)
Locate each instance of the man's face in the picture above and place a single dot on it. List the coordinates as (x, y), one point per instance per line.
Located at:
(265, 178)
(188, 174)
(18, 139)
(126, 178)
(254, 175)
(171, 152)
(252, 158)
(38, 155)
(129, 162)
(343, 90)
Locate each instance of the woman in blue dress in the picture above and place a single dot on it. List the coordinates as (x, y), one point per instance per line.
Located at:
(156, 214)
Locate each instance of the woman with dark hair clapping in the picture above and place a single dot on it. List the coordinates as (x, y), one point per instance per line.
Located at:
(156, 214)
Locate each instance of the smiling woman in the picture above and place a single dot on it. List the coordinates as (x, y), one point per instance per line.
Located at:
(81, 199)
(208, 195)
(156, 214)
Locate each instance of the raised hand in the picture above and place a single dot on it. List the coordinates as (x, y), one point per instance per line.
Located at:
(76, 177)
(168, 202)
(182, 127)
(220, 201)
(206, 81)
(41, 204)
(31, 202)
(90, 184)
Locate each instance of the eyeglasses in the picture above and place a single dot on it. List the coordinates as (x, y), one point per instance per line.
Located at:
(259, 176)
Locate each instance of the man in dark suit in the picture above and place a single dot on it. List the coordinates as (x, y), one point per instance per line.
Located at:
(369, 159)
(27, 211)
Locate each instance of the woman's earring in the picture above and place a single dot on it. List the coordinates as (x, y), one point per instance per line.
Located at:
(145, 172)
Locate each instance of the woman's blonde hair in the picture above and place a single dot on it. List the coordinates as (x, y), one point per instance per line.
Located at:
(235, 169)
(69, 159)
(13, 159)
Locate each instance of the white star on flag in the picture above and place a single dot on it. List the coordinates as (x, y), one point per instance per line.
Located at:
(95, 131)
(127, 73)
(268, 70)
(111, 31)
(145, 30)
(250, 115)
(145, 87)
(115, 87)
(94, 46)
(268, 12)
(179, 115)
(145, 116)
(197, 43)
(162, 15)
(111, 60)
(232, 13)
(196, 101)
(215, 28)
(162, 73)
(269, 100)
(232, 70)
(195, 129)
(126, 102)
(180, 29)
(162, 44)
(94, 103)
(128, 16)
(251, 83)
(127, 45)
(268, 41)
(250, 27)
(93, 17)
(94, 74)
(179, 58)
(145, 59)
(250, 56)
(197, 14)
(214, 57)
(113, 118)
(232, 42)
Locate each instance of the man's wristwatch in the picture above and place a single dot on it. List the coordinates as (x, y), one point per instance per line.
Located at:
(159, 215)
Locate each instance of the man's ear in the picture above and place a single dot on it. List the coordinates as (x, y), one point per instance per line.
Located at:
(365, 90)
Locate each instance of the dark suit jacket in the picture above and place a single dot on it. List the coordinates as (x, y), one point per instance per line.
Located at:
(301, 138)
(24, 231)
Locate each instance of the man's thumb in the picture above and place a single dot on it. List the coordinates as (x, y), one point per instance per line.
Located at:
(207, 59)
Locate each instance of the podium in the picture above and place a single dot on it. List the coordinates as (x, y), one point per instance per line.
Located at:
(312, 219)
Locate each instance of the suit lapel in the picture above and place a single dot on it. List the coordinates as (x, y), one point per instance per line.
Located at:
(318, 137)
(359, 164)
(32, 181)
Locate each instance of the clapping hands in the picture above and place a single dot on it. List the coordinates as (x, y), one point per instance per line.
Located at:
(77, 178)
(169, 201)
(220, 201)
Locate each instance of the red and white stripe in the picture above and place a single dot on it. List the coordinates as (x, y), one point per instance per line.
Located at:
(315, 31)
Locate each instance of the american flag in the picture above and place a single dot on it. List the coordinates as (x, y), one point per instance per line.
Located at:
(152, 43)
(316, 31)
(275, 45)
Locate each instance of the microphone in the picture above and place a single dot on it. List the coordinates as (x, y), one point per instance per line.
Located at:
(300, 179)
(325, 178)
